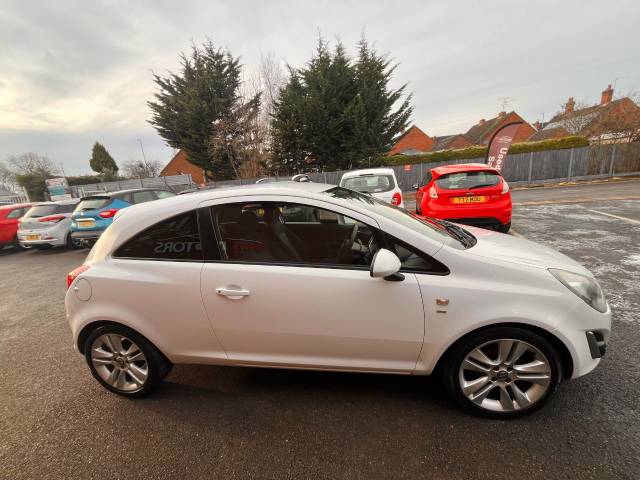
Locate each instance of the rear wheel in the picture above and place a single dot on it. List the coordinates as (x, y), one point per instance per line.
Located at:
(504, 228)
(17, 245)
(72, 244)
(502, 372)
(123, 361)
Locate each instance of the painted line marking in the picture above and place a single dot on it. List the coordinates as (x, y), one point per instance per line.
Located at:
(625, 219)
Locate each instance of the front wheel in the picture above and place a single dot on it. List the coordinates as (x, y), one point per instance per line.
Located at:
(502, 372)
(123, 361)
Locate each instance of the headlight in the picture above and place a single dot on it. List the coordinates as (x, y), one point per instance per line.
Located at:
(585, 287)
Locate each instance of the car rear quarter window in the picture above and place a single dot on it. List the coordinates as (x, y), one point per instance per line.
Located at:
(164, 194)
(467, 180)
(16, 213)
(176, 238)
(143, 196)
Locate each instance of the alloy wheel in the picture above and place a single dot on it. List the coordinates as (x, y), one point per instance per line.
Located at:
(119, 362)
(505, 375)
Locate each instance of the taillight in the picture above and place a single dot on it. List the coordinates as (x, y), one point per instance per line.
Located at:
(505, 186)
(52, 219)
(396, 199)
(433, 193)
(108, 213)
(72, 275)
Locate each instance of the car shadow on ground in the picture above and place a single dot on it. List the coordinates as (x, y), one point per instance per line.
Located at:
(193, 382)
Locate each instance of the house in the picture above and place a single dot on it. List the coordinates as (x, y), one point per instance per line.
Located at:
(450, 142)
(180, 164)
(610, 120)
(482, 132)
(412, 142)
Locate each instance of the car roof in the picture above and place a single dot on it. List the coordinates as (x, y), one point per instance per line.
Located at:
(123, 192)
(464, 167)
(15, 205)
(369, 171)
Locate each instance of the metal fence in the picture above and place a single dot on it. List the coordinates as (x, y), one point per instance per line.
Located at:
(175, 183)
(595, 161)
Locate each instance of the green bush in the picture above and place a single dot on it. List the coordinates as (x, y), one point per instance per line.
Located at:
(481, 152)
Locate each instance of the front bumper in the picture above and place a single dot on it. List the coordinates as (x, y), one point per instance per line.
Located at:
(579, 334)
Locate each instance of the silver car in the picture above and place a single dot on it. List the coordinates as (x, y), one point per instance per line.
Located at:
(47, 224)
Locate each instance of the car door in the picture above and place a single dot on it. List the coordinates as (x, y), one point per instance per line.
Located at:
(274, 300)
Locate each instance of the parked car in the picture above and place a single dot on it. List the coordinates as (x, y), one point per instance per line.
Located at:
(238, 276)
(47, 224)
(9, 216)
(377, 182)
(95, 213)
(468, 193)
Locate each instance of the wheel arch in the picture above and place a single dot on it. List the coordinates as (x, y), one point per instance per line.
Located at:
(90, 327)
(563, 351)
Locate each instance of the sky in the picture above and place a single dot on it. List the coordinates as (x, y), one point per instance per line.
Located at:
(76, 72)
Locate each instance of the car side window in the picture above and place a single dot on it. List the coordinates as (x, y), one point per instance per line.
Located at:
(143, 196)
(164, 194)
(287, 233)
(17, 213)
(413, 260)
(176, 238)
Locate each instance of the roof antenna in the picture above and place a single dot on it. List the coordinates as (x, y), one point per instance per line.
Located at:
(505, 102)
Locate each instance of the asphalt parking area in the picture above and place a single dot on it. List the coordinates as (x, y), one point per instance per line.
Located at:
(213, 422)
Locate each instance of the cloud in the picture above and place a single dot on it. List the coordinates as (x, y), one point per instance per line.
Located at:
(74, 72)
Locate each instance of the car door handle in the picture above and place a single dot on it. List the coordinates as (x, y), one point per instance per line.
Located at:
(233, 293)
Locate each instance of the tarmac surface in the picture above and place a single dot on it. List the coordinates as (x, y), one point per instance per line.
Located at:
(215, 422)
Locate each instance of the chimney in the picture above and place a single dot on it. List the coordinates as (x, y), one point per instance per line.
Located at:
(537, 125)
(607, 95)
(502, 114)
(481, 122)
(569, 106)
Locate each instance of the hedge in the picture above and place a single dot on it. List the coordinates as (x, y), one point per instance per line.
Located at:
(479, 152)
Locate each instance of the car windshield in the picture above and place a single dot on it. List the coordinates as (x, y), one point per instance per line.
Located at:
(38, 211)
(369, 183)
(438, 230)
(92, 203)
(468, 180)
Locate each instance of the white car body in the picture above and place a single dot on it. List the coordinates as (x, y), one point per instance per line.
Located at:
(385, 194)
(51, 230)
(327, 318)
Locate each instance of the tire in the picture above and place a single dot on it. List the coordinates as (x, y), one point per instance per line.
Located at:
(17, 245)
(105, 352)
(498, 391)
(71, 243)
(504, 228)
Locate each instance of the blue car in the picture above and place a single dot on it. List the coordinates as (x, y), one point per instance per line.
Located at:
(95, 213)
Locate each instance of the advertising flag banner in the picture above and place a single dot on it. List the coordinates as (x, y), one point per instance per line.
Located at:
(499, 145)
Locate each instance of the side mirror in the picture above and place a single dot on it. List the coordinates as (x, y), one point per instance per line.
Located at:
(414, 186)
(386, 264)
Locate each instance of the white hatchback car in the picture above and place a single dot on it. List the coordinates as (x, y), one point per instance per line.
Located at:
(378, 182)
(313, 276)
(47, 224)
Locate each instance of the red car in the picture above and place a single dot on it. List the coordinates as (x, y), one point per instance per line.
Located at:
(472, 193)
(9, 216)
